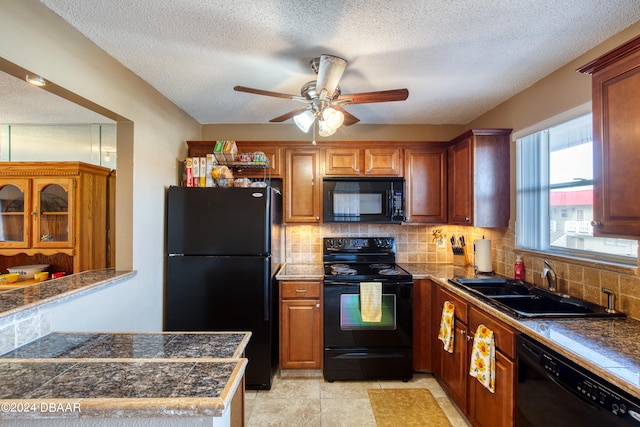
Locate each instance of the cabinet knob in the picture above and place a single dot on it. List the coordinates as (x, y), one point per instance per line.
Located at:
(318, 305)
(595, 223)
(33, 213)
(467, 219)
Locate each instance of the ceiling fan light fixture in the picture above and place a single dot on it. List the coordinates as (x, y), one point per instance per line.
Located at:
(333, 118)
(304, 120)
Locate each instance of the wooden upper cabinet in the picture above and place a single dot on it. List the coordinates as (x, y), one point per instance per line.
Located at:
(426, 185)
(369, 161)
(616, 108)
(478, 178)
(302, 186)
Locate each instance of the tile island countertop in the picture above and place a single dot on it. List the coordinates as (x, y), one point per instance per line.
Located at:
(123, 375)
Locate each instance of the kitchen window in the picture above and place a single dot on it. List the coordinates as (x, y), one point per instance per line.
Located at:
(554, 195)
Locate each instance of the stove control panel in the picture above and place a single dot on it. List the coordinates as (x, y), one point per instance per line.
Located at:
(355, 244)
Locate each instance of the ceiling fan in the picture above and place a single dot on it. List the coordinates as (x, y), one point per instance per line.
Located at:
(324, 98)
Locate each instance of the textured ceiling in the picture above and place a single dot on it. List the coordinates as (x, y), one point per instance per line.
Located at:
(458, 58)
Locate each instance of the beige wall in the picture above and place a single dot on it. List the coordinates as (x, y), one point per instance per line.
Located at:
(358, 132)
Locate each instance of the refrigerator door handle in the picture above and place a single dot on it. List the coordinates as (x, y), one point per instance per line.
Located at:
(267, 289)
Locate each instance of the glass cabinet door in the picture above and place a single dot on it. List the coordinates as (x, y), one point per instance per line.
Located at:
(15, 213)
(53, 207)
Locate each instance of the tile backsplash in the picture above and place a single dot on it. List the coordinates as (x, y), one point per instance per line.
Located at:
(416, 244)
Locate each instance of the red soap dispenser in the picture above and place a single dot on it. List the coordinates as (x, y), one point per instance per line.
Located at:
(518, 269)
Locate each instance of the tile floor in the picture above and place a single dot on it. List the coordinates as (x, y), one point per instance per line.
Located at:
(317, 403)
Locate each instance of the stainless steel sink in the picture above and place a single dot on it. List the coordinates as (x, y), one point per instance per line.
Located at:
(521, 299)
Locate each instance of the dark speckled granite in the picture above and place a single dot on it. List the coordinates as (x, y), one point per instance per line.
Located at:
(116, 379)
(122, 374)
(141, 346)
(30, 295)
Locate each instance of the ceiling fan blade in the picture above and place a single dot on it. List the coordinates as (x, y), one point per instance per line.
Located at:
(369, 97)
(268, 93)
(349, 119)
(288, 115)
(330, 71)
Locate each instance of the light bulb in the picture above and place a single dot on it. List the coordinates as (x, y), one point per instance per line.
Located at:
(324, 129)
(333, 118)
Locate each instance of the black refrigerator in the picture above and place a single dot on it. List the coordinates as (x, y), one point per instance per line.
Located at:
(223, 251)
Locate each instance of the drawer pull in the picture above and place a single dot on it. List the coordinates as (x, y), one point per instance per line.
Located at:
(301, 290)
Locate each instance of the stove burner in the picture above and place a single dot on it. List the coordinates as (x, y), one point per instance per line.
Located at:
(380, 266)
(389, 272)
(342, 270)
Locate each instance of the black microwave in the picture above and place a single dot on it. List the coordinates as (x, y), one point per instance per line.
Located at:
(379, 200)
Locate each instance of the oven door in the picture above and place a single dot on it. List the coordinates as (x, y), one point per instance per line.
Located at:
(343, 324)
(358, 350)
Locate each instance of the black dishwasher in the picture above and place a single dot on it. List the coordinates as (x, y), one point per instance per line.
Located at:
(554, 391)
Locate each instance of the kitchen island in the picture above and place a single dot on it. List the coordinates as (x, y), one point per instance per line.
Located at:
(155, 379)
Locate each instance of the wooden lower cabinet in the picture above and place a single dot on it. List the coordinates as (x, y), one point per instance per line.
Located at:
(495, 409)
(301, 331)
(482, 408)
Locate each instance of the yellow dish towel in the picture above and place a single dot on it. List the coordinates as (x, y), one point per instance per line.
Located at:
(483, 358)
(371, 301)
(446, 326)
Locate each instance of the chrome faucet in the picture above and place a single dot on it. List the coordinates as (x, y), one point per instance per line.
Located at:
(550, 275)
(611, 300)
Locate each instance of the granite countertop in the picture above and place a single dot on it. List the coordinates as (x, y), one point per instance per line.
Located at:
(16, 300)
(608, 347)
(301, 272)
(123, 375)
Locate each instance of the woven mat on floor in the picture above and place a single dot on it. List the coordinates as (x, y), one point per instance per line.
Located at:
(406, 407)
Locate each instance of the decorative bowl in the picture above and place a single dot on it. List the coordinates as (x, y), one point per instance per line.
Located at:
(41, 276)
(27, 271)
(9, 278)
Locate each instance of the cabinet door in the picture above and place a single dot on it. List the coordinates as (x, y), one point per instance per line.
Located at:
(302, 186)
(616, 108)
(426, 186)
(497, 409)
(383, 161)
(53, 205)
(454, 368)
(342, 161)
(461, 182)
(300, 334)
(15, 213)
